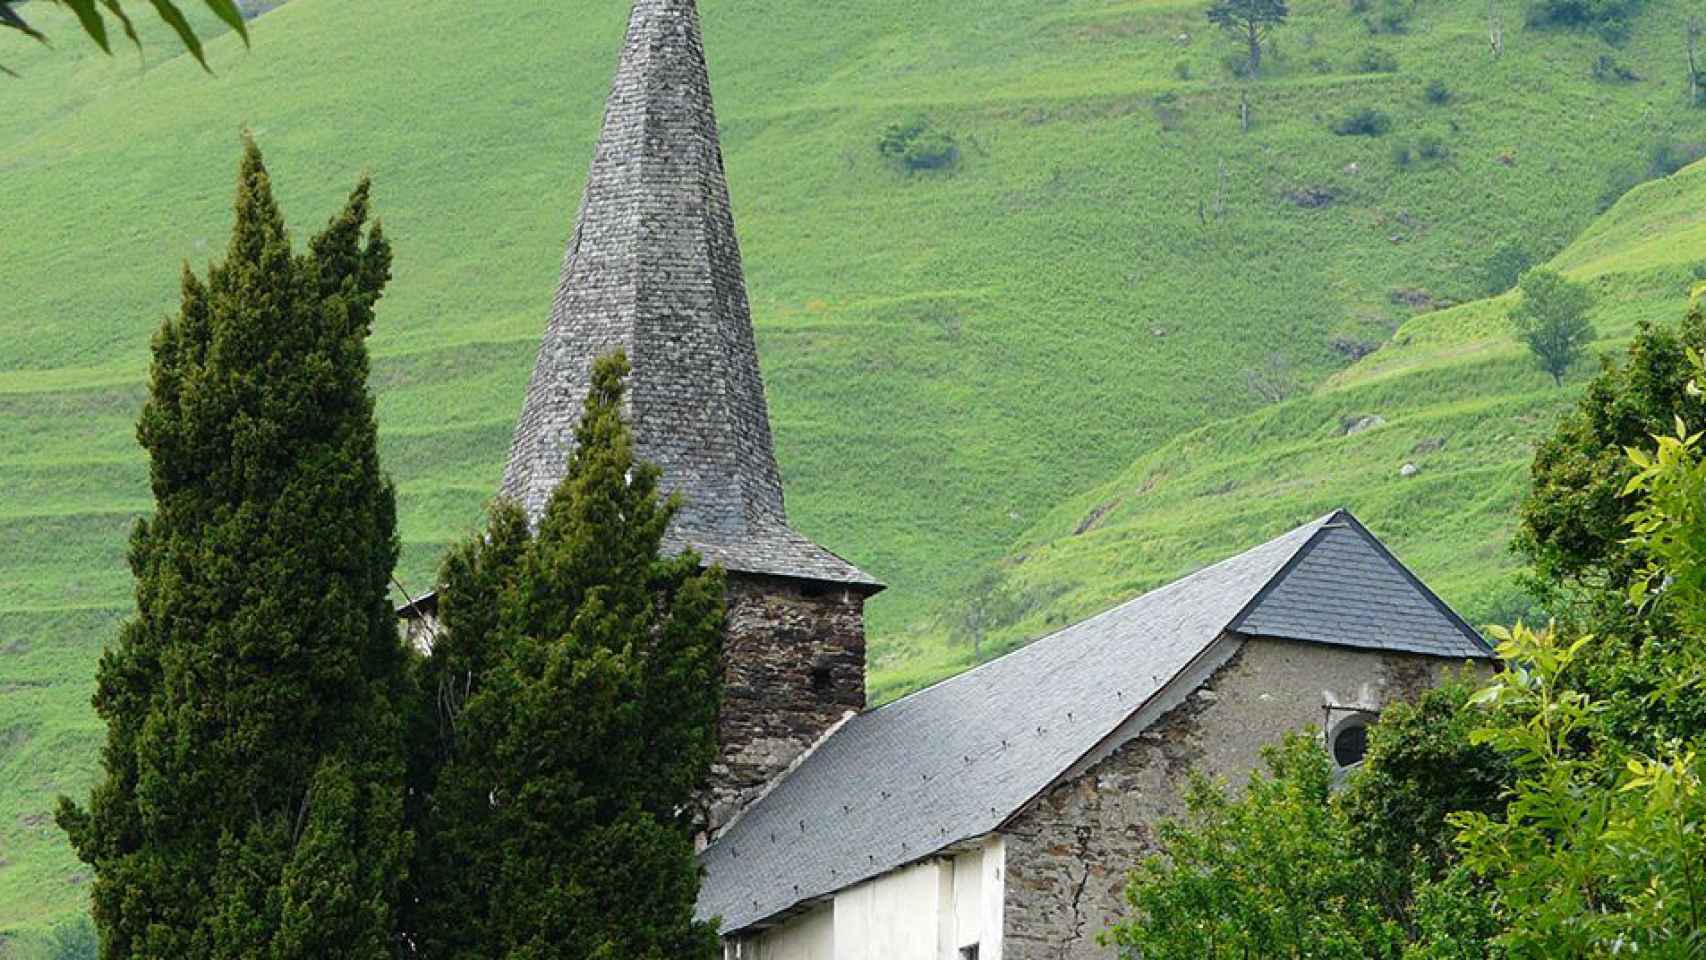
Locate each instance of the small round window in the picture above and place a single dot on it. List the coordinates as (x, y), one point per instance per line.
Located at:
(1350, 741)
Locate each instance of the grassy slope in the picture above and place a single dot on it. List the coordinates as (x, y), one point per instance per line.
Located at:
(947, 356)
(1461, 401)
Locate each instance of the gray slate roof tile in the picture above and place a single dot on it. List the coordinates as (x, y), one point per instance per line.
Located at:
(954, 761)
(654, 269)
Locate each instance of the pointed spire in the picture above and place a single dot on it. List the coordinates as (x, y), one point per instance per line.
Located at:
(654, 269)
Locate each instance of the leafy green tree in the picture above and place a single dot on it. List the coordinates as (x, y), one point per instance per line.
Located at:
(92, 17)
(1252, 22)
(252, 797)
(1421, 766)
(1572, 525)
(1552, 320)
(1272, 873)
(574, 684)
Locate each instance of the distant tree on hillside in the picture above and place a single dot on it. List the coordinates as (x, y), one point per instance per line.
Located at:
(93, 16)
(1251, 22)
(1552, 320)
(251, 802)
(571, 701)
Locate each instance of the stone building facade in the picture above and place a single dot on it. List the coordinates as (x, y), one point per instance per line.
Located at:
(1070, 851)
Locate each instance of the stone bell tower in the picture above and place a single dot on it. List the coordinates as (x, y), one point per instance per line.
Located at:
(653, 268)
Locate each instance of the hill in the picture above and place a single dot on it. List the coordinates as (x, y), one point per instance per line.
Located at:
(1429, 440)
(1112, 261)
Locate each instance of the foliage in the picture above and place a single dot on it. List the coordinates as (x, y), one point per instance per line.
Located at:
(252, 796)
(918, 145)
(1584, 867)
(1375, 60)
(1610, 18)
(575, 680)
(1572, 522)
(1504, 267)
(92, 17)
(1363, 122)
(1552, 320)
(1252, 22)
(1271, 873)
(1438, 93)
(1393, 17)
(1609, 69)
(1421, 766)
(74, 939)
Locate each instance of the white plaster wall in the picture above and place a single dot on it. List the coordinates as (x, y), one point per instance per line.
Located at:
(893, 917)
(810, 936)
(992, 897)
(928, 911)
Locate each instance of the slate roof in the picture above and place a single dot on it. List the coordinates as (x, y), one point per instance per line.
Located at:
(954, 761)
(654, 269)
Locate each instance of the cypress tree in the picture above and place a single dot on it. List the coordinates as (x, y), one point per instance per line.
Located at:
(252, 798)
(574, 687)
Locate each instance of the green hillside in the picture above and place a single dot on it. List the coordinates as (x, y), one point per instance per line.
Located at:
(1452, 394)
(1112, 263)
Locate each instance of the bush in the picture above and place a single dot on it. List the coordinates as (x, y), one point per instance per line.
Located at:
(1608, 18)
(1433, 148)
(1182, 69)
(1320, 65)
(1504, 268)
(917, 145)
(1167, 112)
(1363, 122)
(1438, 93)
(1402, 155)
(1393, 17)
(1375, 60)
(1664, 158)
(1609, 69)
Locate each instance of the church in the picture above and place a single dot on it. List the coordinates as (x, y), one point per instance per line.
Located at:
(995, 814)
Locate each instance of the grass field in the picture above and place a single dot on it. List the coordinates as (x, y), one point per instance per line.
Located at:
(1451, 394)
(953, 358)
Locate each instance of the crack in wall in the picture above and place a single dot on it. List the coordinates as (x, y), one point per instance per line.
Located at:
(1078, 920)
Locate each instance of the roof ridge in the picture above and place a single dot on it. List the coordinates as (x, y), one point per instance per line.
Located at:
(1176, 583)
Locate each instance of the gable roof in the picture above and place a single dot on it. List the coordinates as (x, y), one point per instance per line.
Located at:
(654, 269)
(954, 761)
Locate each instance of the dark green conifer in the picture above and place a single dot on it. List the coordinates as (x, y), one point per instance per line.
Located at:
(252, 800)
(574, 686)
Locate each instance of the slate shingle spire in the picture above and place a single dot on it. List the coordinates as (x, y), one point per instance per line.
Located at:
(654, 269)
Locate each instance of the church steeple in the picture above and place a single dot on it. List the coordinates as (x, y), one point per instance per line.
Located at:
(654, 269)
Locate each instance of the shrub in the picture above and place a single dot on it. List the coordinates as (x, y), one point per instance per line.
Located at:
(1433, 148)
(1664, 158)
(1609, 69)
(917, 145)
(1504, 268)
(1438, 93)
(1393, 17)
(1182, 69)
(1401, 155)
(1608, 18)
(1375, 60)
(1320, 65)
(1167, 112)
(1363, 122)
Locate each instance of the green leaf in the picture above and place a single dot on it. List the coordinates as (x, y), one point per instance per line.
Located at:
(116, 10)
(10, 18)
(175, 17)
(228, 11)
(93, 24)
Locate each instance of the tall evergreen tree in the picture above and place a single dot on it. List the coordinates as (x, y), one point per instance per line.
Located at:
(252, 803)
(574, 687)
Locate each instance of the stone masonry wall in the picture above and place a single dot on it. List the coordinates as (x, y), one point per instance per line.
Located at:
(1069, 853)
(793, 667)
